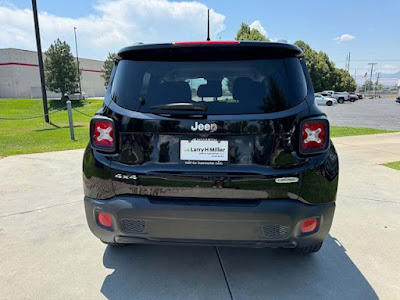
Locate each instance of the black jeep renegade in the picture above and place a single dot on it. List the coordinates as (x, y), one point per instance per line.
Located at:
(211, 143)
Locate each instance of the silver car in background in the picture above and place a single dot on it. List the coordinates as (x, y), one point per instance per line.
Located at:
(75, 96)
(325, 100)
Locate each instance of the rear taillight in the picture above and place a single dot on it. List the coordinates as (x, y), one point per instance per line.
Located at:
(102, 134)
(309, 225)
(314, 136)
(104, 219)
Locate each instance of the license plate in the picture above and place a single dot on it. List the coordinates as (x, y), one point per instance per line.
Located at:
(204, 150)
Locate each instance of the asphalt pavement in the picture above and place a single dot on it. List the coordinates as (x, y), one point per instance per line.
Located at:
(373, 113)
(48, 252)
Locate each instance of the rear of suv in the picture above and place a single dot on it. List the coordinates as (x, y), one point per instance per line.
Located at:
(211, 143)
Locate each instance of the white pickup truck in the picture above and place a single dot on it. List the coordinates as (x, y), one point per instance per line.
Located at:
(339, 96)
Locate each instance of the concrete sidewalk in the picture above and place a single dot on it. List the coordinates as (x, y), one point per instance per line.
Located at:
(48, 252)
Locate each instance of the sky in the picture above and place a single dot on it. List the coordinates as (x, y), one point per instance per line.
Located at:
(369, 30)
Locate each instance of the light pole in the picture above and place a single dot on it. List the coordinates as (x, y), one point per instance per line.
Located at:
(40, 59)
(77, 62)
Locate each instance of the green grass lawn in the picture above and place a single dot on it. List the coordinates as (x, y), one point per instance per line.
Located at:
(32, 136)
(394, 165)
(338, 131)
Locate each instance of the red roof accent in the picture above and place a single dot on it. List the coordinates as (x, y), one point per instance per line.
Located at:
(207, 43)
(95, 71)
(18, 64)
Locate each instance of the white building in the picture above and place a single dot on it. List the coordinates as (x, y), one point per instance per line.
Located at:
(19, 75)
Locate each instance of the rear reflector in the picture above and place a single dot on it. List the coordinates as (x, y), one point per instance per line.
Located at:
(309, 225)
(207, 43)
(104, 219)
(314, 136)
(102, 134)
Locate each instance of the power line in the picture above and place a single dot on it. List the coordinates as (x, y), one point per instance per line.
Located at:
(387, 59)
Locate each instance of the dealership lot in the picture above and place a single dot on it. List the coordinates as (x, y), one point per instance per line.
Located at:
(48, 252)
(373, 113)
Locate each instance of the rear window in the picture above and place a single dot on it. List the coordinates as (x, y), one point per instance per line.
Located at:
(223, 87)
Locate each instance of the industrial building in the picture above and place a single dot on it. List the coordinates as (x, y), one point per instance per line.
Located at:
(19, 75)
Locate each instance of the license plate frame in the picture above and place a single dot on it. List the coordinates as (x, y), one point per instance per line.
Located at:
(199, 151)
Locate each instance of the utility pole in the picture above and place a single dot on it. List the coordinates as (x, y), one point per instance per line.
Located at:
(40, 59)
(77, 62)
(376, 85)
(347, 61)
(372, 69)
(355, 77)
(347, 66)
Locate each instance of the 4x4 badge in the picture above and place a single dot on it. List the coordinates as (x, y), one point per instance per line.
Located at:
(204, 127)
(126, 177)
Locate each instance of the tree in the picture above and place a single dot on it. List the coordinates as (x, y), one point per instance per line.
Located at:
(247, 34)
(344, 81)
(368, 84)
(323, 72)
(60, 69)
(107, 67)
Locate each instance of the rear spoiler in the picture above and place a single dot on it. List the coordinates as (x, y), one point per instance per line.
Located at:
(210, 51)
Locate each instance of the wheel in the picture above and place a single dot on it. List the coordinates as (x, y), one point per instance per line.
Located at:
(340, 100)
(329, 103)
(308, 249)
(352, 100)
(113, 244)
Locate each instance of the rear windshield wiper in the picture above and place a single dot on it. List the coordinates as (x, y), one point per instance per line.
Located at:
(180, 106)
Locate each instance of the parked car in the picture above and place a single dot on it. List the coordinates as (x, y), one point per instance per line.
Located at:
(75, 96)
(238, 164)
(330, 92)
(353, 96)
(324, 100)
(360, 96)
(339, 96)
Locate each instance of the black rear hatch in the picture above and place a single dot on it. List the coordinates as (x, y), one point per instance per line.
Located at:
(208, 121)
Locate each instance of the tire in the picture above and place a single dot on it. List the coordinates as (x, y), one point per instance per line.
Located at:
(308, 249)
(340, 100)
(352, 100)
(329, 103)
(114, 245)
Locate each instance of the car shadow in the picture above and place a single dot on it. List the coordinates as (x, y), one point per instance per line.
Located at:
(178, 272)
(56, 127)
(163, 272)
(276, 274)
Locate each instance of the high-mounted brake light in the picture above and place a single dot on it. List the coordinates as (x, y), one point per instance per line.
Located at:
(206, 43)
(314, 136)
(102, 134)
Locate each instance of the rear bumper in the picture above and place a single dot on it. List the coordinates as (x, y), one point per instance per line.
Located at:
(265, 223)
